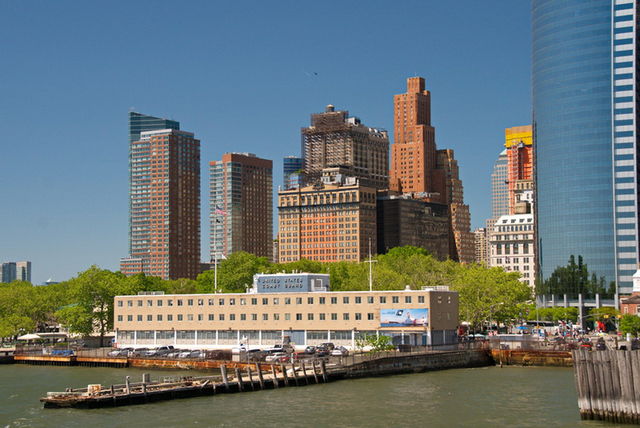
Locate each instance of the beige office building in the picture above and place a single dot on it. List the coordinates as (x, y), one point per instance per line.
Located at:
(297, 306)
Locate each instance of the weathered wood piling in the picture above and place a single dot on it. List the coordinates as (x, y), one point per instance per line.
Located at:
(608, 385)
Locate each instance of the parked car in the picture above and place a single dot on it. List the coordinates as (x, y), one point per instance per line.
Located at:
(185, 353)
(328, 346)
(340, 351)
(115, 353)
(140, 352)
(196, 354)
(310, 350)
(256, 355)
(278, 357)
(174, 353)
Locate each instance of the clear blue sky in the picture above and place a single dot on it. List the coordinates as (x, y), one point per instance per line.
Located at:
(241, 75)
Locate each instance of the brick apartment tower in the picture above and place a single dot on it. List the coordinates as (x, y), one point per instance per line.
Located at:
(165, 205)
(241, 210)
(418, 168)
(336, 140)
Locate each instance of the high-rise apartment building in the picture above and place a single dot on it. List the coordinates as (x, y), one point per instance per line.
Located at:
(481, 244)
(292, 172)
(8, 272)
(462, 242)
(241, 211)
(330, 222)
(499, 189)
(413, 152)
(165, 205)
(336, 140)
(23, 271)
(585, 86)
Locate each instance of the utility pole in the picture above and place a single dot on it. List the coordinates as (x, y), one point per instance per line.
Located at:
(370, 261)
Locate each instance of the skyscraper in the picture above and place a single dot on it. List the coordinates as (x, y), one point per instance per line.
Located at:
(165, 205)
(336, 140)
(519, 146)
(293, 172)
(499, 189)
(584, 110)
(23, 271)
(241, 212)
(8, 272)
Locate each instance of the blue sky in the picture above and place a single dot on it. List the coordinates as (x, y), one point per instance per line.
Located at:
(241, 75)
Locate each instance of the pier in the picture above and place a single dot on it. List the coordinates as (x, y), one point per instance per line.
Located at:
(249, 377)
(608, 385)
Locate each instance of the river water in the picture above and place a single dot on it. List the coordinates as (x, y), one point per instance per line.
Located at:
(481, 397)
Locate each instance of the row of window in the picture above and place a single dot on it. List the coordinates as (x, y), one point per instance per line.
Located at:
(346, 316)
(265, 301)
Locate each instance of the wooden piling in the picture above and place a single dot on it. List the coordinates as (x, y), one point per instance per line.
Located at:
(284, 374)
(127, 382)
(253, 387)
(315, 374)
(260, 378)
(225, 379)
(276, 382)
(295, 374)
(323, 369)
(304, 372)
(239, 379)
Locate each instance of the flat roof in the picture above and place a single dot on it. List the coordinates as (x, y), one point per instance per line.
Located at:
(293, 292)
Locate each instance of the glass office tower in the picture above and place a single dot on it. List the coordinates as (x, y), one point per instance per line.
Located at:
(584, 111)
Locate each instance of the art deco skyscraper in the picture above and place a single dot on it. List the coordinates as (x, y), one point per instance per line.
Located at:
(241, 211)
(165, 203)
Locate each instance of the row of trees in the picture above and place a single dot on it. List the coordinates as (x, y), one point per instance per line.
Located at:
(574, 279)
(84, 304)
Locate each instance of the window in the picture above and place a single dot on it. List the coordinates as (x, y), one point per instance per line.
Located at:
(119, 317)
(276, 317)
(334, 300)
(345, 300)
(334, 317)
(370, 299)
(265, 301)
(395, 299)
(243, 301)
(120, 303)
(407, 299)
(149, 317)
(129, 303)
(310, 300)
(370, 316)
(149, 302)
(276, 301)
(139, 318)
(200, 317)
(322, 317)
(211, 302)
(287, 300)
(221, 302)
(287, 317)
(298, 300)
(159, 303)
(265, 317)
(298, 317)
(243, 317)
(190, 317)
(190, 302)
(159, 317)
(200, 302)
(420, 299)
(129, 317)
(232, 301)
(254, 301)
(310, 317)
(358, 299)
(170, 302)
(169, 317)
(180, 317)
(212, 317)
(321, 300)
(139, 302)
(221, 317)
(232, 317)
(179, 302)
(358, 316)
(383, 299)
(345, 316)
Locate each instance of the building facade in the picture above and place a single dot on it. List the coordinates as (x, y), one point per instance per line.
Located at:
(336, 140)
(292, 172)
(265, 316)
(241, 211)
(585, 123)
(8, 271)
(331, 222)
(403, 220)
(23, 271)
(519, 147)
(512, 246)
(481, 245)
(165, 205)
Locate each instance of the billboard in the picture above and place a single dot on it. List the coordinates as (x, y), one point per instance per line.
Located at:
(416, 317)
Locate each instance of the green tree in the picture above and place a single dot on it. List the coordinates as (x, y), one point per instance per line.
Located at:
(630, 324)
(375, 343)
(14, 325)
(234, 273)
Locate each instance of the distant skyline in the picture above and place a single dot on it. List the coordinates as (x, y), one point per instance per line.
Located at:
(243, 76)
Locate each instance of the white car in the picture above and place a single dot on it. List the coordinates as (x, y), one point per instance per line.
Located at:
(340, 351)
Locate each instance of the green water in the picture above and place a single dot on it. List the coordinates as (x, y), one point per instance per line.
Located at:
(484, 397)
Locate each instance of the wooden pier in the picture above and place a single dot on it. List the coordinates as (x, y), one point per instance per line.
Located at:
(265, 377)
(608, 385)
